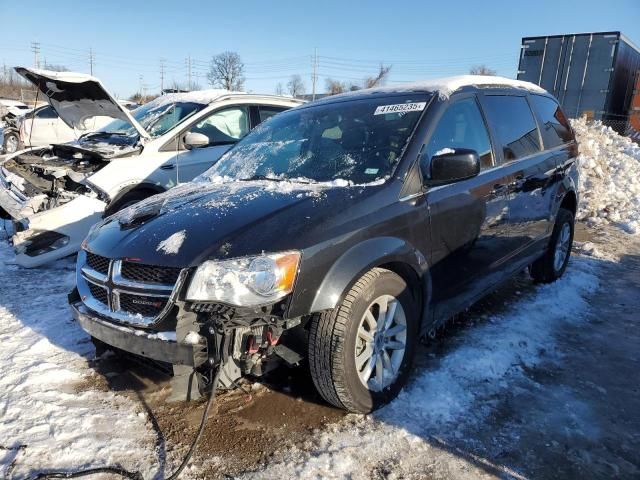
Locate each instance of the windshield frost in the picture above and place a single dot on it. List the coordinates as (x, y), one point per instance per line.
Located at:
(155, 118)
(360, 141)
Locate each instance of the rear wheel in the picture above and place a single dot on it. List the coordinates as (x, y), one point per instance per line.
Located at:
(360, 353)
(553, 263)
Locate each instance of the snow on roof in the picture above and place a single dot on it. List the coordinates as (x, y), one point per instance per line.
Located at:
(447, 85)
(197, 96)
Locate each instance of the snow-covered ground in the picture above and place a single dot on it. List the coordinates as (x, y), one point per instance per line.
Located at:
(610, 168)
(43, 356)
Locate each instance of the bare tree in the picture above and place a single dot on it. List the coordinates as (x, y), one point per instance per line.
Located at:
(295, 85)
(279, 89)
(379, 78)
(55, 67)
(481, 70)
(226, 71)
(335, 87)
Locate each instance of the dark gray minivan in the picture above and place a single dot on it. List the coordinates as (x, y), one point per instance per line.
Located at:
(336, 234)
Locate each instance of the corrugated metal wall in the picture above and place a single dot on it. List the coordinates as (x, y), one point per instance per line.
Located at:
(576, 69)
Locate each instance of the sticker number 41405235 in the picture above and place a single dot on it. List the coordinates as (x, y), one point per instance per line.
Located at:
(400, 108)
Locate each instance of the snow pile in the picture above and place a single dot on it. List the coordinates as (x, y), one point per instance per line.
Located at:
(42, 363)
(171, 245)
(610, 177)
(450, 394)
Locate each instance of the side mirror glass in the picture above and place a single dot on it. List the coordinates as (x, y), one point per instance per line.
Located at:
(450, 165)
(195, 140)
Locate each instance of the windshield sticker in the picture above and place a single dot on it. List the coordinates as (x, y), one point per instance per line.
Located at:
(371, 171)
(400, 108)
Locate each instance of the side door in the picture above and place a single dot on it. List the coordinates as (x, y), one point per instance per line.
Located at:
(532, 170)
(223, 128)
(41, 130)
(469, 230)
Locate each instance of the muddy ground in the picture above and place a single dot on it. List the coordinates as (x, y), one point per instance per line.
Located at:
(599, 374)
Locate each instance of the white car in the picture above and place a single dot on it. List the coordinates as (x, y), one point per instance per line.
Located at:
(44, 127)
(55, 194)
(13, 106)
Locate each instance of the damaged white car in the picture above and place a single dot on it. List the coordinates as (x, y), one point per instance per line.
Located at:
(55, 194)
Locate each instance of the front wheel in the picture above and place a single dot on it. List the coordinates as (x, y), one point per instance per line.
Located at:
(11, 143)
(360, 353)
(553, 263)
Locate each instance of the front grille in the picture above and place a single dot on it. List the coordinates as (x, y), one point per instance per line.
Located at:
(98, 263)
(142, 305)
(150, 273)
(99, 293)
(126, 291)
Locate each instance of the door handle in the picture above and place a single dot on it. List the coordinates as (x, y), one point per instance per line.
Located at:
(169, 166)
(499, 188)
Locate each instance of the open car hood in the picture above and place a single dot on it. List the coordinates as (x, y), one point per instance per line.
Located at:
(77, 97)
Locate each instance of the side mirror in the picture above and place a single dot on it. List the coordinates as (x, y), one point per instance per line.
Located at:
(450, 165)
(195, 140)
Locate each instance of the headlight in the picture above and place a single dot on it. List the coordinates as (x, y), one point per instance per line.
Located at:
(247, 281)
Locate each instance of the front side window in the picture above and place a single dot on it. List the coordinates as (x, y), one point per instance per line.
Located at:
(555, 127)
(462, 126)
(224, 127)
(514, 125)
(359, 140)
(46, 112)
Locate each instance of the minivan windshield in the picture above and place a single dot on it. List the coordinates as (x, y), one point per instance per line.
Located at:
(356, 140)
(156, 118)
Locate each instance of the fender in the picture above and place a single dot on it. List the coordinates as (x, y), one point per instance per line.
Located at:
(568, 185)
(361, 258)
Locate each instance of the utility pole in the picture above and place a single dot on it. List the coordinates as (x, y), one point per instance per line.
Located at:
(142, 88)
(188, 61)
(161, 75)
(314, 77)
(91, 60)
(35, 48)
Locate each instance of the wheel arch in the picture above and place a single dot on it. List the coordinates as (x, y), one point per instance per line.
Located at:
(152, 188)
(390, 253)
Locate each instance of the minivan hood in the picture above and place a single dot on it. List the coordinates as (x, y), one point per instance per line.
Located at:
(77, 97)
(224, 221)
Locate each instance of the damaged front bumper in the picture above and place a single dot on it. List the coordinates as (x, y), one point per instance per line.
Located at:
(56, 233)
(157, 347)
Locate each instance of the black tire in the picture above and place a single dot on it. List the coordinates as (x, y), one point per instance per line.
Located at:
(127, 200)
(11, 143)
(332, 343)
(545, 270)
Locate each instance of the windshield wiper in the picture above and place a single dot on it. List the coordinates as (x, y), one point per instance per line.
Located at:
(263, 177)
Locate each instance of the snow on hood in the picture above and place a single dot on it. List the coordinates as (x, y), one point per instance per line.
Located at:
(77, 97)
(447, 85)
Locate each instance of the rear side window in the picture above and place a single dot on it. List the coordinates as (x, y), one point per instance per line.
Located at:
(462, 126)
(514, 125)
(268, 112)
(555, 127)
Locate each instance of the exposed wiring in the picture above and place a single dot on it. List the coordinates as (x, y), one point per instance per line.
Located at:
(136, 475)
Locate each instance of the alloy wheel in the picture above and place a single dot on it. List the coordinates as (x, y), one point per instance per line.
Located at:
(381, 343)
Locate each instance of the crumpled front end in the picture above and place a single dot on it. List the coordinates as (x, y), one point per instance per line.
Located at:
(51, 207)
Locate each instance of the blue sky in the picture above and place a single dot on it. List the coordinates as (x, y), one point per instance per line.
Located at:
(420, 39)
